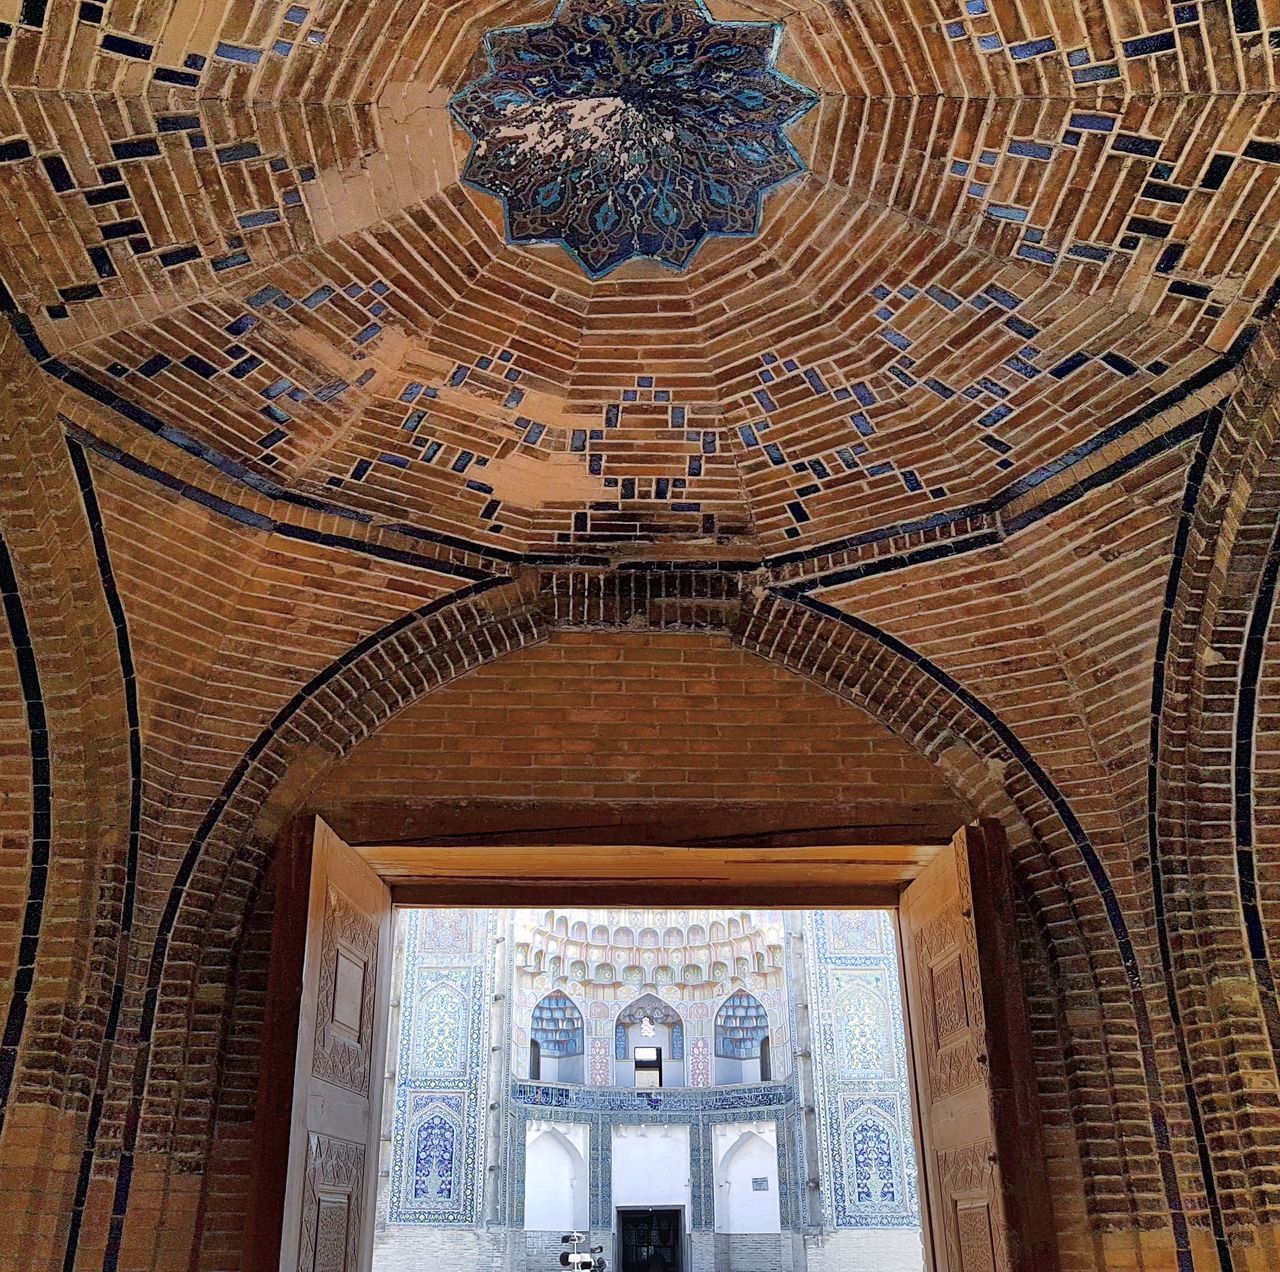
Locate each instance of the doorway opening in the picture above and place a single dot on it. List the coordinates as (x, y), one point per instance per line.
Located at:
(470, 1086)
(693, 1089)
(650, 1241)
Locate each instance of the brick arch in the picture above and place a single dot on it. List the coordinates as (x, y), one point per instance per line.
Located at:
(1205, 715)
(195, 1005)
(82, 805)
(1080, 929)
(227, 861)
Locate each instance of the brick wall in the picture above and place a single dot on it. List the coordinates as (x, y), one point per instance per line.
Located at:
(411, 1248)
(621, 721)
(1057, 605)
(755, 1252)
(865, 1251)
(15, 812)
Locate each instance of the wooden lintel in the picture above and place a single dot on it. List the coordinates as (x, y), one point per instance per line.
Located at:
(845, 875)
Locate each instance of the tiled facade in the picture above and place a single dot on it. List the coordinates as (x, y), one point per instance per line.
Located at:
(571, 965)
(439, 1126)
(869, 1176)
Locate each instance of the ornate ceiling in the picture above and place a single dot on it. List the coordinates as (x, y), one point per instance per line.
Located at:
(626, 130)
(1024, 241)
(698, 950)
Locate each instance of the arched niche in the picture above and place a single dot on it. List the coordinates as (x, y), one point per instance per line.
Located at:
(434, 1159)
(557, 1189)
(741, 1027)
(874, 1153)
(864, 1032)
(649, 1022)
(440, 1018)
(849, 658)
(746, 1179)
(556, 1029)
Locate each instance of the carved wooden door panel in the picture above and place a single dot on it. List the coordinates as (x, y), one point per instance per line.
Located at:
(332, 1175)
(984, 1189)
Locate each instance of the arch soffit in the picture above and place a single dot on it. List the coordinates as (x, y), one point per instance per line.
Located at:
(748, 1138)
(661, 1013)
(562, 1141)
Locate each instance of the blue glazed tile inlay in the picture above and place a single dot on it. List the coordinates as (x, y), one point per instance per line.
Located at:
(627, 129)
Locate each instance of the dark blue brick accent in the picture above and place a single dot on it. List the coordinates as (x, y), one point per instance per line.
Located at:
(41, 823)
(1148, 45)
(59, 174)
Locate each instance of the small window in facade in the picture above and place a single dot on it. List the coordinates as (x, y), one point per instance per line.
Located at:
(648, 1062)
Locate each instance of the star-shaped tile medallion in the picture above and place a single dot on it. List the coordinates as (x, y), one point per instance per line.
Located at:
(626, 129)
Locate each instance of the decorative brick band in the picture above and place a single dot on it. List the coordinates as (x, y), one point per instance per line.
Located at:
(41, 825)
(920, 702)
(129, 682)
(1200, 796)
(1251, 658)
(1191, 496)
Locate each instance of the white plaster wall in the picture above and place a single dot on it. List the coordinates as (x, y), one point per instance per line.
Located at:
(744, 1152)
(673, 1071)
(562, 1069)
(556, 1184)
(730, 1072)
(651, 1167)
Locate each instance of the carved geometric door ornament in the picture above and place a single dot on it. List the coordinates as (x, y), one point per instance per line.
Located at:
(982, 1175)
(331, 1181)
(346, 1000)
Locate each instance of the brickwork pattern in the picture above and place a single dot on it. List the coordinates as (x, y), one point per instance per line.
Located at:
(620, 718)
(979, 433)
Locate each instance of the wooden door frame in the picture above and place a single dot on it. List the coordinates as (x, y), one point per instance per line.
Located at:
(840, 876)
(851, 876)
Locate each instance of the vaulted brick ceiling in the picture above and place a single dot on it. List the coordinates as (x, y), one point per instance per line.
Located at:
(1027, 236)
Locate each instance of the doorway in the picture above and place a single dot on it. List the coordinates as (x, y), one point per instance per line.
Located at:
(719, 991)
(650, 1241)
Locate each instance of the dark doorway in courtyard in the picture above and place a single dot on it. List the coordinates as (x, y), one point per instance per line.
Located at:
(650, 1241)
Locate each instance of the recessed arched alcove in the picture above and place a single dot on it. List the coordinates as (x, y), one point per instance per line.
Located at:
(734, 650)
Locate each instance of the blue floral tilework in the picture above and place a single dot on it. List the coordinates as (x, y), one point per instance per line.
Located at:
(626, 129)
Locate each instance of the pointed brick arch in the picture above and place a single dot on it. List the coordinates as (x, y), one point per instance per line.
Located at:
(1203, 826)
(1062, 875)
(227, 861)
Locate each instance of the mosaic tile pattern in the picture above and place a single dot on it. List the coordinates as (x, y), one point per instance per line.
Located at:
(741, 1025)
(860, 1069)
(438, 1136)
(601, 1071)
(652, 1008)
(624, 129)
(557, 1025)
